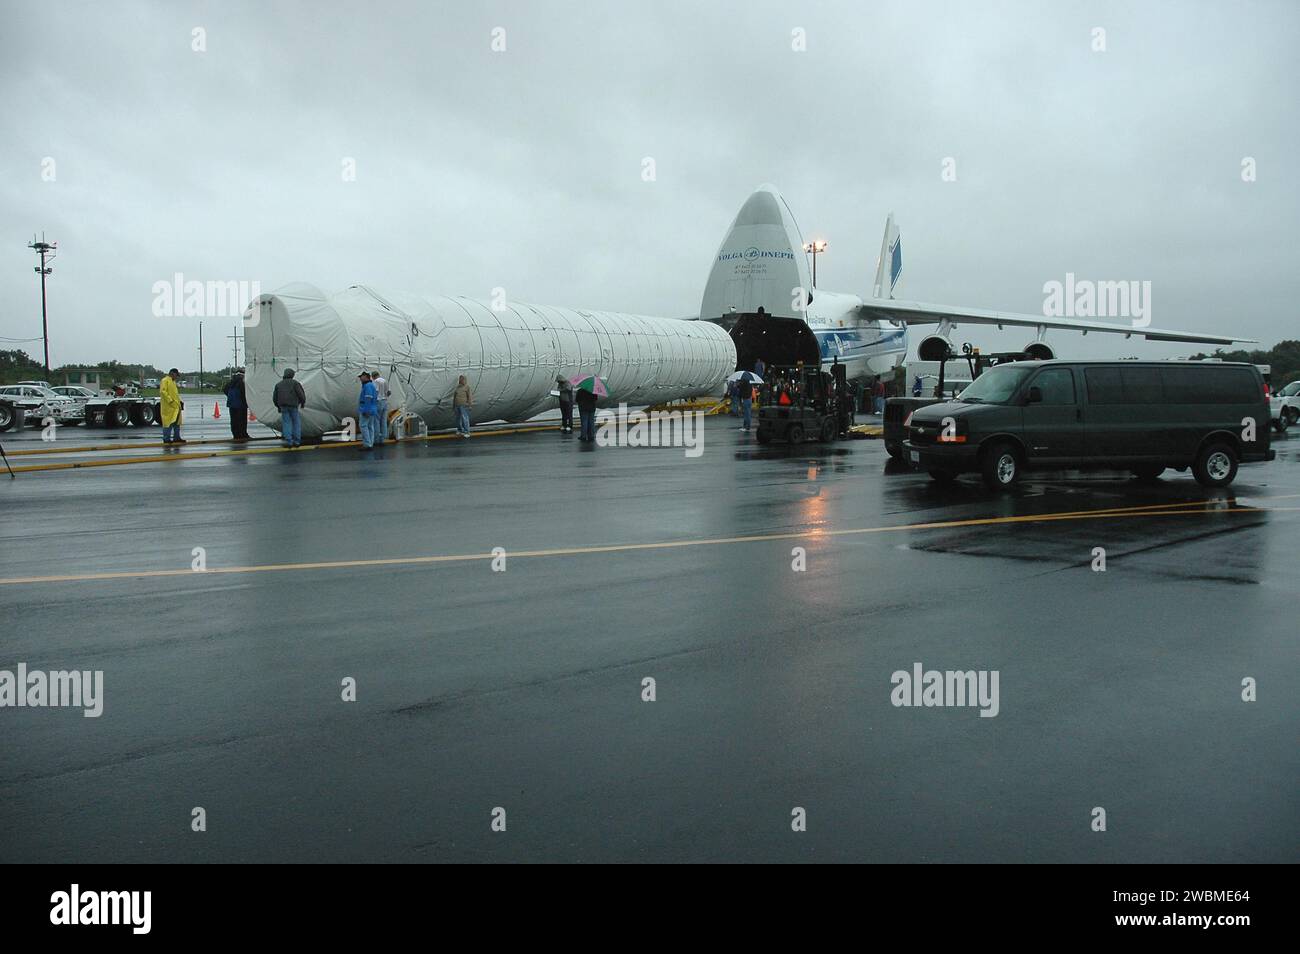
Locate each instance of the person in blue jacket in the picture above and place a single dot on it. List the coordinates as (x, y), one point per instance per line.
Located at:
(367, 411)
(237, 405)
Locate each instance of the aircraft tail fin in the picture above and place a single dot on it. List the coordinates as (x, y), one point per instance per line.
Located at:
(889, 267)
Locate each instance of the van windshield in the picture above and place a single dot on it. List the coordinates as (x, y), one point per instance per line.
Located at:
(995, 386)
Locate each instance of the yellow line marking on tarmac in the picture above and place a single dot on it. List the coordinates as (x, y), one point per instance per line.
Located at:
(1154, 510)
(244, 452)
(120, 445)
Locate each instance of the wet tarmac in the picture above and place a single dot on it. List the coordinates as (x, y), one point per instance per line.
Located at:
(480, 688)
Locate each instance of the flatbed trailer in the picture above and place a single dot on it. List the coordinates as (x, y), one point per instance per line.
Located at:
(119, 410)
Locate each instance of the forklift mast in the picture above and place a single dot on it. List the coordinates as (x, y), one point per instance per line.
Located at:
(978, 362)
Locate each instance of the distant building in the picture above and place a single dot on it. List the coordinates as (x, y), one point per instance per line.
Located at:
(86, 378)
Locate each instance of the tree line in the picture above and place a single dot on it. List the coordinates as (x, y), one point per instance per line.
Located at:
(1283, 358)
(18, 365)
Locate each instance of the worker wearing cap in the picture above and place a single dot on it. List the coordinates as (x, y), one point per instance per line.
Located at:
(290, 399)
(367, 410)
(381, 394)
(170, 408)
(237, 405)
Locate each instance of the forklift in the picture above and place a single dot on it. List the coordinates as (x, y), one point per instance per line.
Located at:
(801, 403)
(898, 410)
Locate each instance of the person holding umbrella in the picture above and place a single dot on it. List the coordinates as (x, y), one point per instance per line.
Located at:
(745, 381)
(590, 388)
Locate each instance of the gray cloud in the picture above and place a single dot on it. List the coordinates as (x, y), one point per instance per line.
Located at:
(522, 169)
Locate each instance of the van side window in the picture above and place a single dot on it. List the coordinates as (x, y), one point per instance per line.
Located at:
(1057, 385)
(1184, 385)
(1142, 385)
(1104, 386)
(1234, 386)
(1210, 385)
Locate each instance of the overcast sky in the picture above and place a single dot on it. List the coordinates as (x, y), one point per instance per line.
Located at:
(522, 169)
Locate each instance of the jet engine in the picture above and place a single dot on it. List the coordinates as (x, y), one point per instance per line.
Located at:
(934, 348)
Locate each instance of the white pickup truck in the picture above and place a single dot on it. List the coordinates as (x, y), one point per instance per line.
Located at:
(1284, 406)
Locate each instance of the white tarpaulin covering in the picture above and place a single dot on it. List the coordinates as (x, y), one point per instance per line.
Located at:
(509, 356)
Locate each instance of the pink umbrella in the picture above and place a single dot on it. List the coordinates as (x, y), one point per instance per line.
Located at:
(590, 382)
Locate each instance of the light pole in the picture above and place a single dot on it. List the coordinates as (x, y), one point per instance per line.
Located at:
(818, 245)
(45, 250)
(236, 338)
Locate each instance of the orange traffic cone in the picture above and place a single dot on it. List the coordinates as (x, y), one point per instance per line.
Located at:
(216, 411)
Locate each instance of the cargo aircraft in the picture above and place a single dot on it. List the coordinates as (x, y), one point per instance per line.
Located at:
(760, 290)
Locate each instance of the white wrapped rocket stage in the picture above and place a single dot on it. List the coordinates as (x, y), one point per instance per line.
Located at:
(510, 355)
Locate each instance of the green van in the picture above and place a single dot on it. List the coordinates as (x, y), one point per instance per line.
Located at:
(1140, 416)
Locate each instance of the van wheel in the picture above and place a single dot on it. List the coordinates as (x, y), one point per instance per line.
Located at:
(1147, 473)
(1001, 467)
(7, 417)
(1216, 466)
(942, 477)
(1291, 414)
(795, 434)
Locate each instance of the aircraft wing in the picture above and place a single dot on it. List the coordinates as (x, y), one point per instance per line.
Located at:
(919, 313)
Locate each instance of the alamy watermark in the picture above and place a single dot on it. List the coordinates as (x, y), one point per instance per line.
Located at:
(948, 688)
(651, 429)
(179, 298)
(1084, 298)
(76, 907)
(58, 688)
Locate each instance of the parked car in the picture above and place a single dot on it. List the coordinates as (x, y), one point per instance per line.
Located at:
(1284, 407)
(74, 391)
(37, 403)
(1140, 416)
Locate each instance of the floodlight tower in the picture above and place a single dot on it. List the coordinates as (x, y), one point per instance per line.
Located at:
(816, 247)
(46, 250)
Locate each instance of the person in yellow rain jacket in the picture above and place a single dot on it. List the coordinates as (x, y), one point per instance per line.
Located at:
(171, 408)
